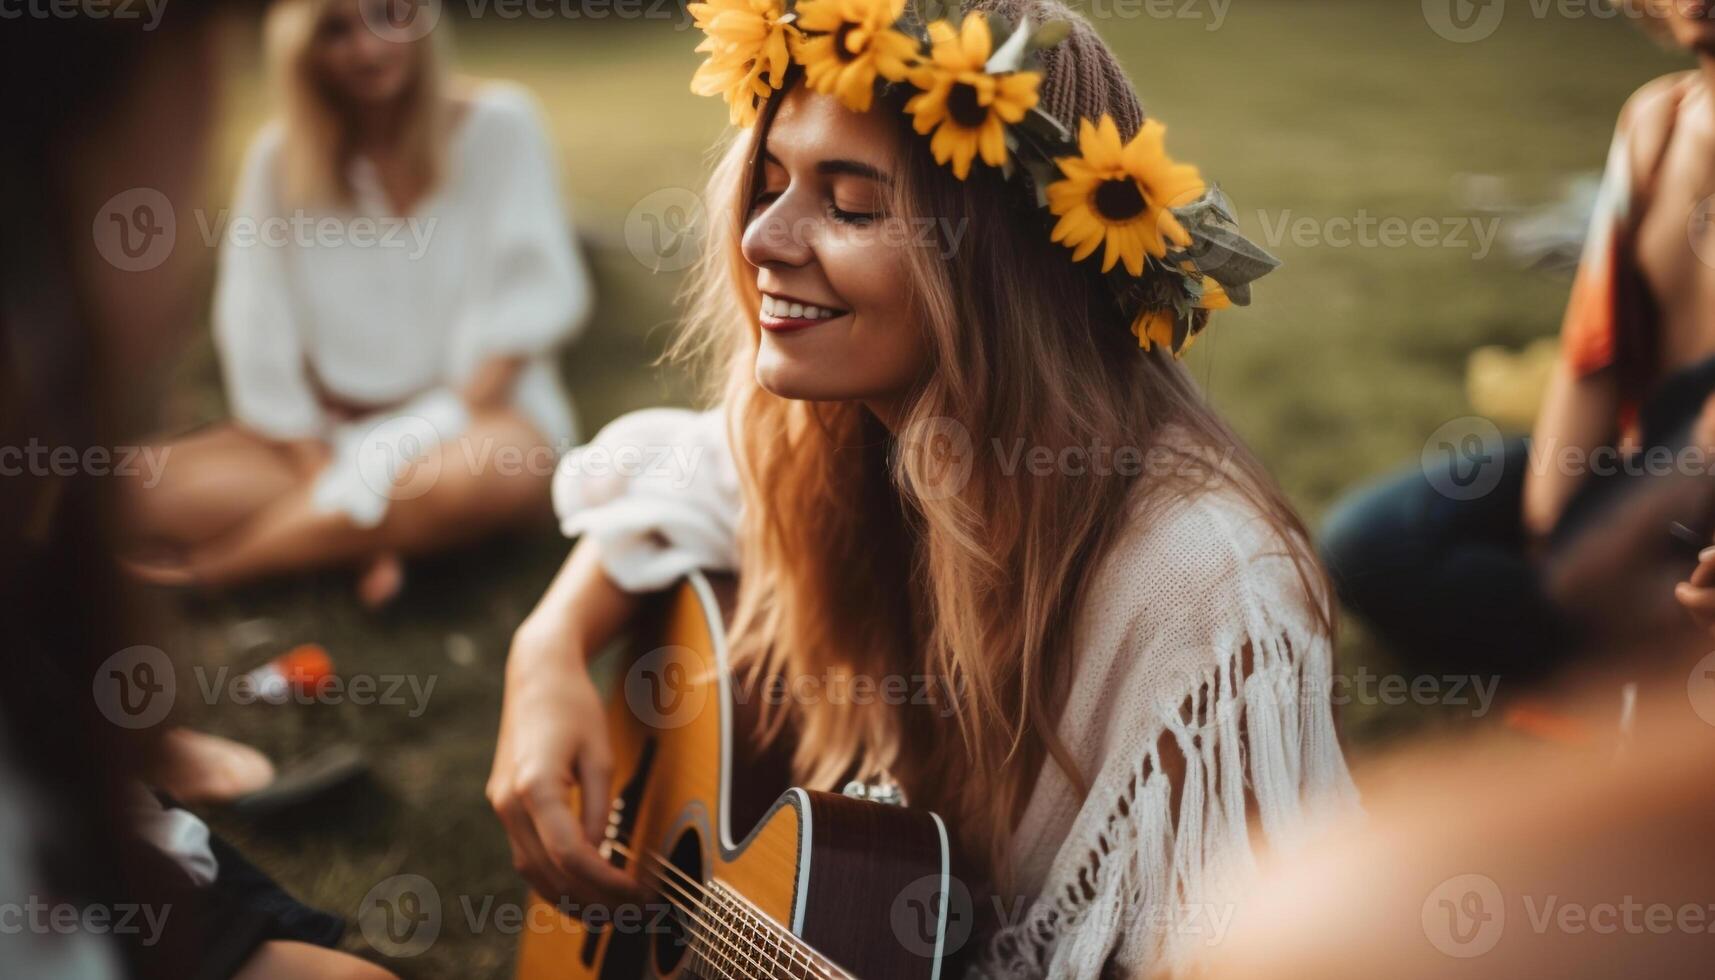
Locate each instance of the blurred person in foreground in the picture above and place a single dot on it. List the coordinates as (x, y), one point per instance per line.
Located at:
(106, 123)
(396, 276)
(1492, 857)
(1594, 524)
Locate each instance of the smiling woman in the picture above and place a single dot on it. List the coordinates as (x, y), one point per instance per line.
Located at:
(1139, 655)
(826, 175)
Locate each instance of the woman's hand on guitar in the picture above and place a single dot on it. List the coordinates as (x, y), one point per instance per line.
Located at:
(553, 735)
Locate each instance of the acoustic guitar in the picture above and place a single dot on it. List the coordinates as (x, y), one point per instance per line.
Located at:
(750, 881)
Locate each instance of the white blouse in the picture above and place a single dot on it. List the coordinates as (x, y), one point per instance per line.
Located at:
(391, 311)
(1120, 876)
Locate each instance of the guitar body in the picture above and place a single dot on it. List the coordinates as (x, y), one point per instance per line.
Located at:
(861, 885)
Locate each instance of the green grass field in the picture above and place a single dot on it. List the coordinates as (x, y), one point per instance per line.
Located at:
(1304, 109)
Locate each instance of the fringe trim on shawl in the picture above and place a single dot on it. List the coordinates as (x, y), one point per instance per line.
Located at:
(1126, 905)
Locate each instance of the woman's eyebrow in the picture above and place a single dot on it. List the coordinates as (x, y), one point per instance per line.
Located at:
(829, 168)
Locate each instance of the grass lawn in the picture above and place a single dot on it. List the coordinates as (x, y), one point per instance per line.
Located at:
(1304, 109)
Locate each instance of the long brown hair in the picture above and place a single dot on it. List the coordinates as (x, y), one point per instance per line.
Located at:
(860, 559)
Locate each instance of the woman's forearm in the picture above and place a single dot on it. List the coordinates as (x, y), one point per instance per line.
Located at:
(582, 610)
(490, 386)
(1576, 419)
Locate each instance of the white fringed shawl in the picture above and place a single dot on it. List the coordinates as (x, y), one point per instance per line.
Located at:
(1120, 879)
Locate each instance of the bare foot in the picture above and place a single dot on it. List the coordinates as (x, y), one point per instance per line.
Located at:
(380, 581)
(197, 767)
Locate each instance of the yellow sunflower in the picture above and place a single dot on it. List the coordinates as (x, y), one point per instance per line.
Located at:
(748, 58)
(965, 105)
(1120, 195)
(847, 43)
(1156, 326)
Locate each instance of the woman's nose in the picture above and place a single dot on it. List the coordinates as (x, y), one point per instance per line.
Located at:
(780, 234)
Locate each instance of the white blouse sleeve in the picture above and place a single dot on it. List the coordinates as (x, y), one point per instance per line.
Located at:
(534, 292)
(255, 322)
(659, 490)
(1200, 637)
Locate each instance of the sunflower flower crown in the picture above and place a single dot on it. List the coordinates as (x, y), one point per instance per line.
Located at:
(1170, 245)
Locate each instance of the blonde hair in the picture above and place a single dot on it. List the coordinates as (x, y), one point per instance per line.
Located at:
(317, 146)
(856, 557)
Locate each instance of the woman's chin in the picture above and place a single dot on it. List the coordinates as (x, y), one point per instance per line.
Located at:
(786, 376)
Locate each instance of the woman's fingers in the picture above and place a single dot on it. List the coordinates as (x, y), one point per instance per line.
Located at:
(573, 855)
(528, 856)
(595, 781)
(1699, 601)
(1703, 576)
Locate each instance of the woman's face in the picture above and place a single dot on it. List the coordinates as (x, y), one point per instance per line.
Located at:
(355, 60)
(1692, 23)
(837, 321)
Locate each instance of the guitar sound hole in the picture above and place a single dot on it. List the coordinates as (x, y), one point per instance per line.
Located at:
(672, 943)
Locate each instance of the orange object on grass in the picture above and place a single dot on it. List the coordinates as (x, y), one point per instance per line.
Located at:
(304, 670)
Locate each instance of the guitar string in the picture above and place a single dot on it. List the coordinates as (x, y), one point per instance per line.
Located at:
(644, 863)
(644, 859)
(693, 893)
(736, 901)
(794, 946)
(714, 931)
(800, 952)
(709, 928)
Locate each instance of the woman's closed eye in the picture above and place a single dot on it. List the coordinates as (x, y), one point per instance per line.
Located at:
(850, 217)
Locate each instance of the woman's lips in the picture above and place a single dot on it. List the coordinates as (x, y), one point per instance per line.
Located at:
(782, 314)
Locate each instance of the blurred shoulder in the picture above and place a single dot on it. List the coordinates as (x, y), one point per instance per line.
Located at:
(505, 107)
(1656, 98)
(263, 153)
(1649, 115)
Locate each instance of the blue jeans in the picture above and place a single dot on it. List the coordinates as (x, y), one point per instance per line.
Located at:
(1446, 583)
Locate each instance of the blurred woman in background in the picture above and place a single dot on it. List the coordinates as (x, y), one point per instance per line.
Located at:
(395, 278)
